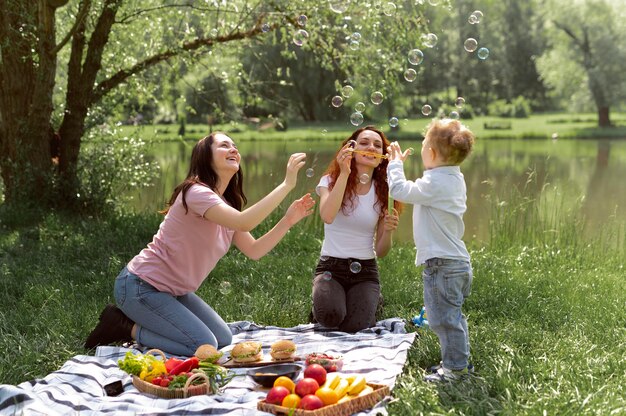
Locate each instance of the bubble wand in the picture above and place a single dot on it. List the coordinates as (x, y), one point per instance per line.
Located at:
(378, 155)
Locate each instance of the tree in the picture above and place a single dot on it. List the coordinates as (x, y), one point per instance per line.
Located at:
(62, 63)
(587, 46)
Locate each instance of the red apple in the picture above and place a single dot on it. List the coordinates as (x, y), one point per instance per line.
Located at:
(311, 402)
(317, 372)
(276, 395)
(306, 386)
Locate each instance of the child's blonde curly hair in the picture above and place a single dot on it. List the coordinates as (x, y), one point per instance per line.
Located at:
(451, 139)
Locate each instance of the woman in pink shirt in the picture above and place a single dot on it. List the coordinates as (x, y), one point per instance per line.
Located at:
(155, 293)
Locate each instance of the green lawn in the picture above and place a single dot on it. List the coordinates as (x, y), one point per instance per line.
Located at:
(537, 126)
(546, 314)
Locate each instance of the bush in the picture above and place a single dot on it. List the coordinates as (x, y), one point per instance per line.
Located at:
(518, 108)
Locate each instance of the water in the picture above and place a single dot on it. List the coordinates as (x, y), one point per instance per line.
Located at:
(582, 173)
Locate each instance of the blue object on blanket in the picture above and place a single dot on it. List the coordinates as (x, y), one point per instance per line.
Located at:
(420, 321)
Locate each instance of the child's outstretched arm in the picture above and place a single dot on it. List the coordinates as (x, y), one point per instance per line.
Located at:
(400, 188)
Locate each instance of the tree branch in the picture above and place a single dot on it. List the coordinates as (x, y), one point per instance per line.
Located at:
(82, 13)
(116, 79)
(569, 33)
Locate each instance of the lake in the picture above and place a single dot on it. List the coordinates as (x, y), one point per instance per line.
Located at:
(588, 175)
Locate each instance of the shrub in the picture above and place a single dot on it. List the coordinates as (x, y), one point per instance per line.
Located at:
(518, 108)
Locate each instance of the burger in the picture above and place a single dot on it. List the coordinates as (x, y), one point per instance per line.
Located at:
(246, 352)
(208, 353)
(283, 349)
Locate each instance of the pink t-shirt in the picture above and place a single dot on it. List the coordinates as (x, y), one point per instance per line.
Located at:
(187, 246)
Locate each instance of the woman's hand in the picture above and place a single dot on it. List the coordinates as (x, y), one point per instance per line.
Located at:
(391, 220)
(295, 163)
(395, 152)
(300, 208)
(344, 158)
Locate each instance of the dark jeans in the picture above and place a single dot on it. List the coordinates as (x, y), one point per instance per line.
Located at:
(345, 296)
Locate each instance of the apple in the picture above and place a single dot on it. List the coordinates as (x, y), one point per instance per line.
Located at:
(311, 402)
(316, 372)
(307, 386)
(277, 394)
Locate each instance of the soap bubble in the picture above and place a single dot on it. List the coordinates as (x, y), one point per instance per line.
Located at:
(433, 2)
(225, 288)
(360, 107)
(338, 6)
(376, 97)
(483, 53)
(410, 75)
(310, 172)
(302, 19)
(454, 115)
(324, 131)
(355, 267)
(300, 37)
(426, 110)
(389, 9)
(356, 118)
(336, 101)
(470, 44)
(475, 17)
(347, 91)
(460, 102)
(214, 33)
(415, 56)
(429, 40)
(393, 122)
(555, 136)
(364, 178)
(356, 37)
(354, 45)
(265, 27)
(327, 275)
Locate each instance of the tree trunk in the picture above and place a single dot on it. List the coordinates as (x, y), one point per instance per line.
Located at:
(603, 117)
(26, 86)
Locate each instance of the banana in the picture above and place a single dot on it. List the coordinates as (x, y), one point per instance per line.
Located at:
(357, 385)
(349, 377)
(365, 391)
(332, 379)
(345, 399)
(342, 387)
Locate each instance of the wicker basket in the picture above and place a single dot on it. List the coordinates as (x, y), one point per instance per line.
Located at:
(340, 409)
(178, 393)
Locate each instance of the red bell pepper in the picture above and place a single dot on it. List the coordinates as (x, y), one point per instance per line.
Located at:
(187, 365)
(171, 363)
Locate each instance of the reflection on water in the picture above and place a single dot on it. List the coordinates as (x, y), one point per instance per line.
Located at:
(585, 173)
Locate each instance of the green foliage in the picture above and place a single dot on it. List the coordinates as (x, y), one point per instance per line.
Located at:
(519, 107)
(109, 167)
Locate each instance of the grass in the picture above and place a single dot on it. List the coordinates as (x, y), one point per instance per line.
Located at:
(546, 313)
(538, 126)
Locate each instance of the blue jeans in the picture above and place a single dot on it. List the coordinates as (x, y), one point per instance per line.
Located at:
(174, 324)
(447, 283)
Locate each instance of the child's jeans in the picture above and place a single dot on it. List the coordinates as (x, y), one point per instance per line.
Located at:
(447, 283)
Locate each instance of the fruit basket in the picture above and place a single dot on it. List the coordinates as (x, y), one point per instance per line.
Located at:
(349, 407)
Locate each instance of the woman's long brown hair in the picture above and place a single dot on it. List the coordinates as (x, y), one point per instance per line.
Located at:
(201, 172)
(379, 176)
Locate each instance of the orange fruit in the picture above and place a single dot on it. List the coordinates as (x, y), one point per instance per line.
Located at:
(328, 395)
(292, 401)
(285, 382)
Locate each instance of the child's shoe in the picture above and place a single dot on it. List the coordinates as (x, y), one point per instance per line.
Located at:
(436, 368)
(445, 375)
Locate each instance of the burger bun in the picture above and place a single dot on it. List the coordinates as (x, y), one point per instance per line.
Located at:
(208, 353)
(246, 352)
(283, 349)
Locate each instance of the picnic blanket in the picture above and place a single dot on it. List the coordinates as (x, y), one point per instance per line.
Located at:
(378, 353)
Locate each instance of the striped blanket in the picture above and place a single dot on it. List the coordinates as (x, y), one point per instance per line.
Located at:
(378, 353)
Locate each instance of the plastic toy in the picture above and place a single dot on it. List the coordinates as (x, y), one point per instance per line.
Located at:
(421, 320)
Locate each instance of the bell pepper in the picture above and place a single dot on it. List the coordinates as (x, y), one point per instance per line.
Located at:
(187, 365)
(171, 363)
(154, 369)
